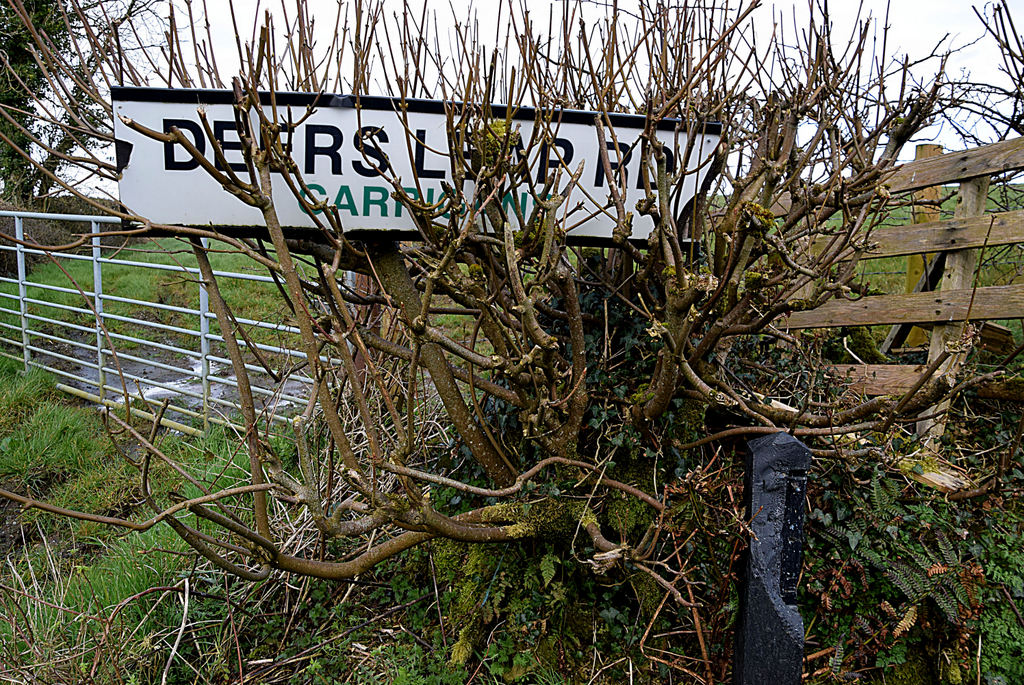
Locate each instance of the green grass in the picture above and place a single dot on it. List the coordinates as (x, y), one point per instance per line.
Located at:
(1002, 198)
(58, 576)
(62, 585)
(20, 393)
(54, 450)
(48, 445)
(887, 275)
(60, 452)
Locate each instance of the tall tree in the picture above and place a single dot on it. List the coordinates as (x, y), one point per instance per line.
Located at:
(23, 81)
(54, 71)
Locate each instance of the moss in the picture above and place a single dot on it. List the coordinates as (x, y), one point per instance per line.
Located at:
(755, 280)
(500, 590)
(628, 515)
(623, 513)
(528, 237)
(642, 395)
(925, 666)
(546, 651)
(648, 593)
(862, 344)
(472, 570)
(1011, 387)
(578, 624)
(476, 272)
(463, 648)
(469, 568)
(761, 217)
(922, 462)
(952, 674)
(688, 421)
(915, 671)
(549, 519)
(801, 305)
(489, 142)
(448, 556)
(477, 571)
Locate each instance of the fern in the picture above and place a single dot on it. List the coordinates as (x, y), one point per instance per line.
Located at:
(957, 585)
(947, 602)
(907, 622)
(836, 662)
(921, 569)
(907, 578)
(949, 554)
(883, 499)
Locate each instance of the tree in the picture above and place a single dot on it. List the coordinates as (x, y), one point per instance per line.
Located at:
(43, 111)
(23, 78)
(591, 405)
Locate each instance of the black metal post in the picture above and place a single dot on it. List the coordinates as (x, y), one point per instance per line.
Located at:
(770, 634)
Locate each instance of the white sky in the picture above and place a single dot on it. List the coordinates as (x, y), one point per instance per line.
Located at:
(916, 27)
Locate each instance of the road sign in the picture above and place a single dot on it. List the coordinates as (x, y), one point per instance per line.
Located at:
(346, 150)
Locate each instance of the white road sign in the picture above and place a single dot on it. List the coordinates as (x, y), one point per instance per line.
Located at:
(343, 147)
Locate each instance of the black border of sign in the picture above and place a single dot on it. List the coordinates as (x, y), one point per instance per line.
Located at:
(201, 96)
(690, 246)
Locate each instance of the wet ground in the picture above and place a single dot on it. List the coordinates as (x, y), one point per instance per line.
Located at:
(184, 387)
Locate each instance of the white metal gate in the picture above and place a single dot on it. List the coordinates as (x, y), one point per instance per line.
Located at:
(89, 359)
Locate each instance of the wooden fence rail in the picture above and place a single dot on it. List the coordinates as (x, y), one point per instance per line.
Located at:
(954, 167)
(992, 230)
(991, 302)
(958, 241)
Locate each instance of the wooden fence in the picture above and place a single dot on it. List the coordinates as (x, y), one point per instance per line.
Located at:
(956, 244)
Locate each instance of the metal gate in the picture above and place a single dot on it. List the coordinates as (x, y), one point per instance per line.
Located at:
(91, 360)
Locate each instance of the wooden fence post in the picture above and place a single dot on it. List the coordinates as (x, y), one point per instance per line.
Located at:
(926, 209)
(367, 315)
(961, 266)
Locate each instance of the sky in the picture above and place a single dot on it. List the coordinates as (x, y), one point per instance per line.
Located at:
(916, 27)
